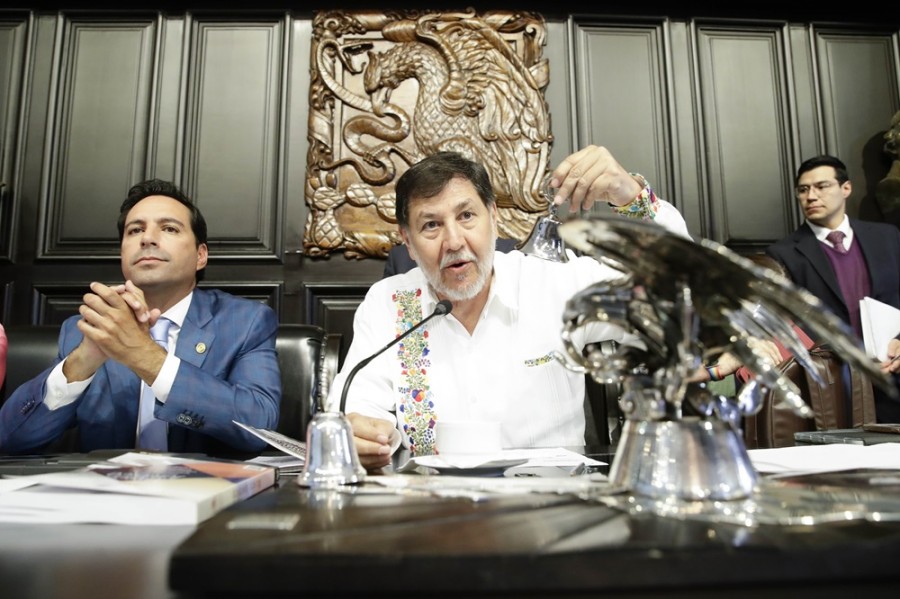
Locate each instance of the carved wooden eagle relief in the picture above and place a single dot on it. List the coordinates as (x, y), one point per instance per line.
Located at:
(388, 89)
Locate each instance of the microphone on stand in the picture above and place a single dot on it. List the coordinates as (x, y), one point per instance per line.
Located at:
(443, 307)
(331, 458)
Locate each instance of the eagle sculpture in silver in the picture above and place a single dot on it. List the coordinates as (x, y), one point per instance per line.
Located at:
(688, 302)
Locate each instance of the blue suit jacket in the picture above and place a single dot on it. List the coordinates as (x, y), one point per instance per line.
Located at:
(806, 263)
(229, 370)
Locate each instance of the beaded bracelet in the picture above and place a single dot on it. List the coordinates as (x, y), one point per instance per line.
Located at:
(644, 206)
(713, 372)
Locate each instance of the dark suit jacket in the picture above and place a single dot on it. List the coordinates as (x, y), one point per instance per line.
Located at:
(399, 260)
(806, 263)
(229, 370)
(3, 346)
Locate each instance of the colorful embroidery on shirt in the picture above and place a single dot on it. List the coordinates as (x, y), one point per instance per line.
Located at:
(539, 361)
(416, 399)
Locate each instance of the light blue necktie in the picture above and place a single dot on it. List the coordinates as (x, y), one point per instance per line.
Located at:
(152, 432)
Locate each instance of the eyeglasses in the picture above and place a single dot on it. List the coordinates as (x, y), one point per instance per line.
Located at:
(802, 190)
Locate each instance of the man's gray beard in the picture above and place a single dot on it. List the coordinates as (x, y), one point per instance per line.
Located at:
(485, 270)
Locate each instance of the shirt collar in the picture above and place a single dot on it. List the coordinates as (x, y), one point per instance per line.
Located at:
(822, 232)
(178, 312)
(504, 290)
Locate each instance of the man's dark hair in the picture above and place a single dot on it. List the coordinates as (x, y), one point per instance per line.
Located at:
(840, 169)
(428, 177)
(158, 187)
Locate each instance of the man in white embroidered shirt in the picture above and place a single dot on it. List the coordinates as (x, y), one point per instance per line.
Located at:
(490, 359)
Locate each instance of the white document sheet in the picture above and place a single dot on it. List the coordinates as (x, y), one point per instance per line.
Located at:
(544, 457)
(833, 457)
(880, 324)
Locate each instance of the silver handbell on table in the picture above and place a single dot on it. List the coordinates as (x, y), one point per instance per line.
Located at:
(688, 302)
(331, 458)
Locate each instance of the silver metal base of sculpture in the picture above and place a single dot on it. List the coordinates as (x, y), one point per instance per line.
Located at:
(690, 459)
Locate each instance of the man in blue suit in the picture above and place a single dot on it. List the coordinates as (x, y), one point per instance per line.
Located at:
(220, 364)
(842, 260)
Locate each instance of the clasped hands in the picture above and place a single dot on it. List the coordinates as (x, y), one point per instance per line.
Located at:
(115, 322)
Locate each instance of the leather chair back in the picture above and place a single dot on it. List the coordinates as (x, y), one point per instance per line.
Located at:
(32, 349)
(307, 358)
(775, 424)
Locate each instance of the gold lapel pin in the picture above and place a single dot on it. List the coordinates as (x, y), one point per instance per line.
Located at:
(200, 348)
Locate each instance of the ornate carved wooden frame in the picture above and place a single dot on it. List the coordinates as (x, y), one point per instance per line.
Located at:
(388, 89)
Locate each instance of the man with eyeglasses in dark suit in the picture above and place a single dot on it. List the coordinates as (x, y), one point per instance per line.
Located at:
(841, 260)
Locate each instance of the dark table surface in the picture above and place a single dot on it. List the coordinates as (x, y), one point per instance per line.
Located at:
(322, 543)
(291, 541)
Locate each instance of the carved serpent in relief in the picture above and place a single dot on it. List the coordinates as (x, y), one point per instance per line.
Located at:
(376, 168)
(475, 96)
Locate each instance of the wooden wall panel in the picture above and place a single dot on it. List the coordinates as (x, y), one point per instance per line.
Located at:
(167, 117)
(296, 143)
(620, 78)
(54, 303)
(13, 34)
(687, 151)
(233, 145)
(858, 74)
(745, 120)
(806, 120)
(332, 307)
(100, 133)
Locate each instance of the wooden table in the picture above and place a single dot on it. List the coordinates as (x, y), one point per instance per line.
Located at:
(406, 546)
(339, 544)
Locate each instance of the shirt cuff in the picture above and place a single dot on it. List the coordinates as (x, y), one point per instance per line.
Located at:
(644, 206)
(59, 392)
(166, 378)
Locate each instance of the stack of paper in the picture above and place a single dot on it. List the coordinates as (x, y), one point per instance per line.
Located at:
(880, 324)
(806, 459)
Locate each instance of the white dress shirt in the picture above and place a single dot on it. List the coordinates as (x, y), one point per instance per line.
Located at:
(503, 372)
(59, 392)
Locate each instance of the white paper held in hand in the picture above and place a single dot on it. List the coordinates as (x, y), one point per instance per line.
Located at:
(284, 443)
(880, 324)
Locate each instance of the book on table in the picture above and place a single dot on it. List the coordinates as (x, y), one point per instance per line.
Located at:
(134, 488)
